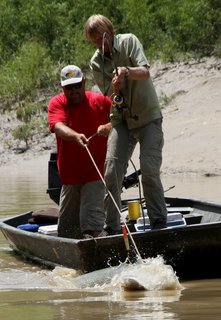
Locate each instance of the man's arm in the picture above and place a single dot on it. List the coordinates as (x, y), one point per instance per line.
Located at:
(66, 133)
(131, 73)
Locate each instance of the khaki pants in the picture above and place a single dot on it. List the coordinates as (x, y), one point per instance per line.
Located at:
(81, 209)
(121, 144)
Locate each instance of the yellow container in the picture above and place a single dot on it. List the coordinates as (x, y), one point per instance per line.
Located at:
(134, 210)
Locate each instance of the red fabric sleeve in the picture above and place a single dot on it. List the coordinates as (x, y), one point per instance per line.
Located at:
(57, 111)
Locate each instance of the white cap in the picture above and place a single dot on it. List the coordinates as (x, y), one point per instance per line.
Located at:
(70, 75)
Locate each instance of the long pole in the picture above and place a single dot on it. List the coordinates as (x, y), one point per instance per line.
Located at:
(111, 196)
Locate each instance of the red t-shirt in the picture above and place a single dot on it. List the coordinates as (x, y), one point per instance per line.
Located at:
(74, 163)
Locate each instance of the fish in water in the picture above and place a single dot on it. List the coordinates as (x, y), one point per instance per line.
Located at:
(131, 284)
(97, 278)
(148, 274)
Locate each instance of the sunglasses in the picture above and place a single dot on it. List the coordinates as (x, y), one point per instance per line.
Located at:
(73, 86)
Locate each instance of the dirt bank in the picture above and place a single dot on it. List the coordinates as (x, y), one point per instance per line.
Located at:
(190, 95)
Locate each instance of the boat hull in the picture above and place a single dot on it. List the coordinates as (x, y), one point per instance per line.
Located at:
(192, 250)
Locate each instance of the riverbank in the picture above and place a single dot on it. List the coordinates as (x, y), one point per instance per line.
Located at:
(190, 95)
(192, 119)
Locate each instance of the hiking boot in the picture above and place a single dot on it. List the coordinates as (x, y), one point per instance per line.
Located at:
(91, 234)
(87, 236)
(108, 232)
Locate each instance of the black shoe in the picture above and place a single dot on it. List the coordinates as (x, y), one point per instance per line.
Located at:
(158, 224)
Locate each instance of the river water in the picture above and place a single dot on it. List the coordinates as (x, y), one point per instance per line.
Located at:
(29, 292)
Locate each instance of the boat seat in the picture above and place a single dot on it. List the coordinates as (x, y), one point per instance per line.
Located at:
(193, 218)
(179, 209)
(174, 219)
(49, 216)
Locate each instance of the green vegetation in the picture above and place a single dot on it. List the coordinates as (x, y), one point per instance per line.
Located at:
(39, 37)
(165, 100)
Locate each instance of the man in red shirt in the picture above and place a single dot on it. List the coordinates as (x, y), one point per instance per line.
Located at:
(74, 116)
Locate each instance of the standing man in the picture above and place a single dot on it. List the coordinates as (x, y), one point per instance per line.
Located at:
(121, 70)
(74, 116)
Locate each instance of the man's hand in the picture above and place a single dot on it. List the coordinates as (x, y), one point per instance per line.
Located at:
(118, 79)
(104, 129)
(81, 139)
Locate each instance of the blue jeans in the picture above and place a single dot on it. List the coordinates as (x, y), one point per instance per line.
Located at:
(121, 144)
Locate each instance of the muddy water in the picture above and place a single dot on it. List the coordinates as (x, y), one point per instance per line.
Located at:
(30, 292)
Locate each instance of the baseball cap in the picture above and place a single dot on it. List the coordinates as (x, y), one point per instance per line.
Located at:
(70, 75)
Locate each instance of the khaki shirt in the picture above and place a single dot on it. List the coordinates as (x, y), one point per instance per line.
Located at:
(139, 95)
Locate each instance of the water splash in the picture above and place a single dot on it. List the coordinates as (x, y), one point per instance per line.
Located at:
(150, 274)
